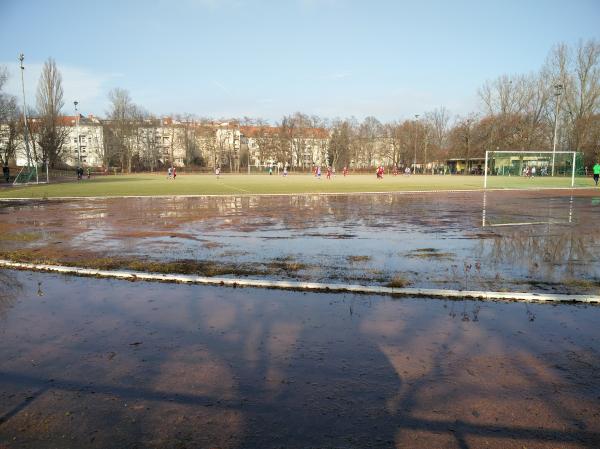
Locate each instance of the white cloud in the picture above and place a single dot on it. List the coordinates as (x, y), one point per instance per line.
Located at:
(87, 87)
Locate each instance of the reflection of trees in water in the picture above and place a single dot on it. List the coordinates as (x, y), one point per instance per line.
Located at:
(9, 287)
(566, 248)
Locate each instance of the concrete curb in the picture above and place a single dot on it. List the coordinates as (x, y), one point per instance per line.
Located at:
(306, 286)
(226, 195)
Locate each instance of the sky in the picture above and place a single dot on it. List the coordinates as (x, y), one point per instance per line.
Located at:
(264, 59)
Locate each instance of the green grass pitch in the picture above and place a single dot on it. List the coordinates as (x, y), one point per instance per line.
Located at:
(228, 184)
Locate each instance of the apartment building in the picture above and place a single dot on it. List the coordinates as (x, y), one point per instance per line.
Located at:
(92, 142)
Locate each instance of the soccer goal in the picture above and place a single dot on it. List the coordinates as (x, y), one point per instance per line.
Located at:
(527, 169)
(31, 174)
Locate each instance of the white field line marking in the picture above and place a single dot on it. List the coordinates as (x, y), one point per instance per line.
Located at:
(314, 286)
(224, 195)
(527, 223)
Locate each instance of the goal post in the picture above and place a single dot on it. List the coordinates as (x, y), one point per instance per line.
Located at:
(515, 169)
(32, 174)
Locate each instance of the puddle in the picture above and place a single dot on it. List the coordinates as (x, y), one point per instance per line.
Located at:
(105, 363)
(542, 241)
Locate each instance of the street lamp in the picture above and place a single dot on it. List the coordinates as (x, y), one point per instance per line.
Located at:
(26, 131)
(558, 88)
(77, 131)
(415, 158)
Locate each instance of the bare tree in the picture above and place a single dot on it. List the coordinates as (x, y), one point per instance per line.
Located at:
(577, 71)
(339, 143)
(369, 133)
(463, 140)
(121, 128)
(438, 121)
(10, 123)
(50, 136)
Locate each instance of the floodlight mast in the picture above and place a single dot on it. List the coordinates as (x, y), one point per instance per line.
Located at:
(25, 128)
(557, 93)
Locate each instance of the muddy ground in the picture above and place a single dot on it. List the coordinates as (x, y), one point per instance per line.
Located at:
(523, 241)
(101, 363)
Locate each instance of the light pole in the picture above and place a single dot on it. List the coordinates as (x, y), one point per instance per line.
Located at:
(468, 142)
(557, 93)
(77, 131)
(25, 129)
(415, 158)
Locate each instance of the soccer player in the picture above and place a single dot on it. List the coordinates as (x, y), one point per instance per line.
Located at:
(596, 171)
(345, 171)
(217, 172)
(328, 172)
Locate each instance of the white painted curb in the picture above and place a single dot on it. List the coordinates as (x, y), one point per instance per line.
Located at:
(311, 286)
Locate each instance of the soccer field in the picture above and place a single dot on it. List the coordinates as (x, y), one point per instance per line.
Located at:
(157, 184)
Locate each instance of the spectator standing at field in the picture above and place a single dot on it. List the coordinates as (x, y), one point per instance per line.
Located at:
(328, 172)
(217, 172)
(533, 172)
(285, 171)
(319, 172)
(596, 170)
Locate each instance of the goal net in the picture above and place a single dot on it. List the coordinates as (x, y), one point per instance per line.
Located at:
(532, 169)
(33, 174)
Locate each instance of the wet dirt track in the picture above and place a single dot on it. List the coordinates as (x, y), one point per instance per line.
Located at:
(112, 364)
(522, 241)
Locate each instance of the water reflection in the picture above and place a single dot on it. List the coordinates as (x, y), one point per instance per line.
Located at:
(554, 239)
(10, 288)
(424, 238)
